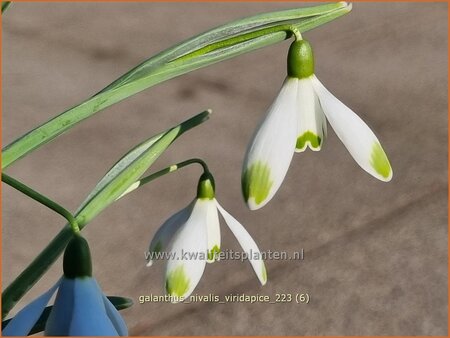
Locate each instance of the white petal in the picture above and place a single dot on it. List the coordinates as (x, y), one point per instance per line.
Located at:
(270, 152)
(188, 253)
(357, 137)
(213, 230)
(312, 125)
(162, 238)
(247, 243)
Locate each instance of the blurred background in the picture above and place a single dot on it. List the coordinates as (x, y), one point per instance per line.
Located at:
(375, 254)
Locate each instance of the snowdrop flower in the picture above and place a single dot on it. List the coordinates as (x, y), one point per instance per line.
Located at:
(191, 237)
(80, 309)
(297, 120)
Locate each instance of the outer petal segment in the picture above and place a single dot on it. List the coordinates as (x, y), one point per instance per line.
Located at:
(163, 236)
(187, 258)
(270, 152)
(58, 322)
(357, 137)
(24, 320)
(247, 243)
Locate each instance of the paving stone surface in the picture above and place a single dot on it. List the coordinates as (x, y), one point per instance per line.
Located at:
(375, 254)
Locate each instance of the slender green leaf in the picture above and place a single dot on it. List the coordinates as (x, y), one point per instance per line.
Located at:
(5, 5)
(120, 303)
(260, 31)
(116, 181)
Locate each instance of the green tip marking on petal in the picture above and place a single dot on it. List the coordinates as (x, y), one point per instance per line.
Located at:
(314, 140)
(264, 273)
(379, 161)
(177, 283)
(256, 182)
(158, 247)
(213, 253)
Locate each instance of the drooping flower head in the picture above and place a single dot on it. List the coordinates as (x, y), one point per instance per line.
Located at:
(191, 238)
(298, 119)
(80, 308)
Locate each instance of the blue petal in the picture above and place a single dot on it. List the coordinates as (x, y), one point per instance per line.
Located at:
(89, 317)
(115, 317)
(58, 322)
(25, 319)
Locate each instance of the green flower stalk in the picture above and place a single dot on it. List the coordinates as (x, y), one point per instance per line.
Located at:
(216, 45)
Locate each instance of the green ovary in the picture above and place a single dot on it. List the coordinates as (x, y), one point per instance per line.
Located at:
(177, 283)
(256, 182)
(314, 140)
(213, 253)
(379, 161)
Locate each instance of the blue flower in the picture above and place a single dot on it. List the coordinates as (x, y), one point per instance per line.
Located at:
(80, 308)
